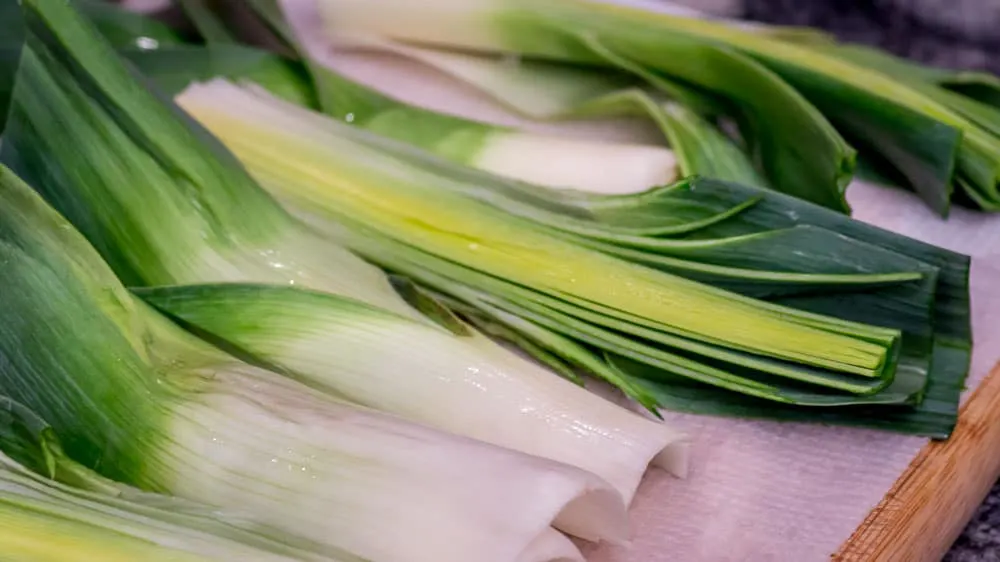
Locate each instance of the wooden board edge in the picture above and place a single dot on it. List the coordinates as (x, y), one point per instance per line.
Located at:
(929, 505)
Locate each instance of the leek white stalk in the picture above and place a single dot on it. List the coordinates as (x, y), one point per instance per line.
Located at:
(146, 403)
(551, 546)
(547, 160)
(465, 385)
(537, 89)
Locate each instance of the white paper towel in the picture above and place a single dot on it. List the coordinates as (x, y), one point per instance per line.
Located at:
(758, 491)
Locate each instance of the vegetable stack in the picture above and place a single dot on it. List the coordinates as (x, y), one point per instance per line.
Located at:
(284, 316)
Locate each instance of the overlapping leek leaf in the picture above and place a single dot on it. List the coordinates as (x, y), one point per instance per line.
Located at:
(468, 244)
(127, 193)
(768, 77)
(944, 88)
(952, 337)
(137, 399)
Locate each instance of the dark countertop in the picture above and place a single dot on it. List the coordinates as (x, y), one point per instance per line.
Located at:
(949, 33)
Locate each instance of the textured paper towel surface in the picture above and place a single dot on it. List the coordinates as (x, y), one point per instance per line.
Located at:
(758, 491)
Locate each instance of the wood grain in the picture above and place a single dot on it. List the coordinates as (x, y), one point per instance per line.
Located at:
(929, 505)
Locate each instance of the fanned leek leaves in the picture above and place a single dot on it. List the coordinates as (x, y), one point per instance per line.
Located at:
(567, 262)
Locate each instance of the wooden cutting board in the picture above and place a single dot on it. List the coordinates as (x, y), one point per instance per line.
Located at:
(929, 505)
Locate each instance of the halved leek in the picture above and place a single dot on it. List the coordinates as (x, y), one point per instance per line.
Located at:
(139, 400)
(464, 385)
(327, 168)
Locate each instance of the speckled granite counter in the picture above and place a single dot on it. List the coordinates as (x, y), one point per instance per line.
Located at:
(969, 37)
(953, 33)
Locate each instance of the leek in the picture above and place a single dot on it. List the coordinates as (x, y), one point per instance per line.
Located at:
(390, 363)
(98, 519)
(194, 225)
(803, 156)
(895, 284)
(528, 267)
(135, 398)
(541, 90)
(551, 160)
(766, 76)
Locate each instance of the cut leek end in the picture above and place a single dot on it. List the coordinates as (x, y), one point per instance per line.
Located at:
(609, 168)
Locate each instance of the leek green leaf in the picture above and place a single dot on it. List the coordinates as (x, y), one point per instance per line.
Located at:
(174, 68)
(12, 37)
(127, 29)
(211, 29)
